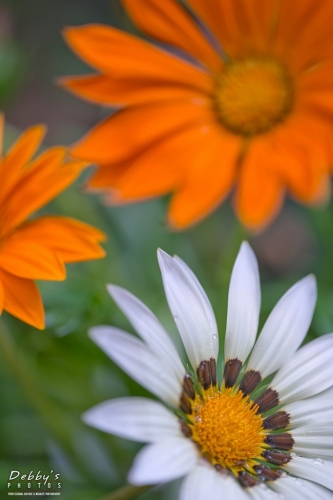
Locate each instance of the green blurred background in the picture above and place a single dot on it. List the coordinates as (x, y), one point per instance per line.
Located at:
(64, 363)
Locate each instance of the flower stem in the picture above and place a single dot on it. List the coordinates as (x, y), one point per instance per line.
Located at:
(127, 492)
(51, 414)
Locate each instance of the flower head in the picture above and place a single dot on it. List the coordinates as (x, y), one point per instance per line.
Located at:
(233, 98)
(248, 435)
(37, 249)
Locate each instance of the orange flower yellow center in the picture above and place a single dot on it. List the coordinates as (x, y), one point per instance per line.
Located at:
(253, 95)
(227, 429)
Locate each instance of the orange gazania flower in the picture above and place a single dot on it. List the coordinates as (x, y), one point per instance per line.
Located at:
(250, 105)
(37, 249)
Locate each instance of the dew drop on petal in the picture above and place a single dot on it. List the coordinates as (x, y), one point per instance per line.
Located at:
(293, 454)
(214, 337)
(319, 461)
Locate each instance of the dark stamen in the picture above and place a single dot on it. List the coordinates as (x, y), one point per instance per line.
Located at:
(279, 420)
(221, 470)
(231, 372)
(185, 403)
(186, 430)
(249, 382)
(188, 386)
(266, 473)
(276, 457)
(247, 480)
(204, 373)
(267, 400)
(212, 367)
(283, 441)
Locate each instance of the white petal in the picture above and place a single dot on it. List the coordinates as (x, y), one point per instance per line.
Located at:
(139, 419)
(163, 461)
(299, 489)
(326, 394)
(134, 357)
(308, 372)
(204, 482)
(316, 470)
(243, 305)
(191, 310)
(318, 409)
(148, 327)
(313, 442)
(285, 328)
(261, 492)
(205, 301)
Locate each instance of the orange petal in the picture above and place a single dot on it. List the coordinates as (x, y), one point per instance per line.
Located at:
(312, 23)
(107, 175)
(314, 92)
(112, 51)
(25, 147)
(319, 78)
(303, 167)
(130, 131)
(70, 240)
(160, 168)
(240, 29)
(260, 194)
(45, 163)
(169, 22)
(210, 176)
(22, 299)
(114, 91)
(35, 189)
(18, 156)
(30, 259)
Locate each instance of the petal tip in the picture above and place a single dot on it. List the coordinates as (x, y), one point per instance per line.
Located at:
(162, 256)
(113, 290)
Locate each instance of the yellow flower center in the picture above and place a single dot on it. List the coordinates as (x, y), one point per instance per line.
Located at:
(253, 95)
(228, 429)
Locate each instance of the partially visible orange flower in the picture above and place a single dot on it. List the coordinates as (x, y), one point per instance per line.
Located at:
(37, 249)
(252, 109)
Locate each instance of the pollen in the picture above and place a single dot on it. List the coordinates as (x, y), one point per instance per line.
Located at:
(227, 429)
(253, 95)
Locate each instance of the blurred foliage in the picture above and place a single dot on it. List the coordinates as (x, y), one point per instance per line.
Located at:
(67, 366)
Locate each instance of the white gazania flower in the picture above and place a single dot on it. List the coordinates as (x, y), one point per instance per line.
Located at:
(244, 437)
